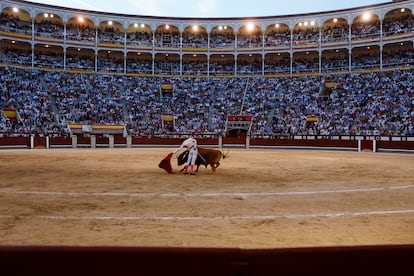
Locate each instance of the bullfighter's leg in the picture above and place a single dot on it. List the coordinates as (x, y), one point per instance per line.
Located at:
(192, 170)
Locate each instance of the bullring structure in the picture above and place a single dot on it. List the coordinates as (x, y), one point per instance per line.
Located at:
(338, 79)
(339, 75)
(374, 37)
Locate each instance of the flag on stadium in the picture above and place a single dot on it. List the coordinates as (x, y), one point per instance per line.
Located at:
(168, 117)
(10, 113)
(168, 121)
(167, 89)
(329, 86)
(312, 118)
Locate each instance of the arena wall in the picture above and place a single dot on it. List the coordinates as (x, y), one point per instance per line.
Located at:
(353, 143)
(358, 260)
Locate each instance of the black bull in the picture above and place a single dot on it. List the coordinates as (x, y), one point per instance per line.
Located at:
(205, 157)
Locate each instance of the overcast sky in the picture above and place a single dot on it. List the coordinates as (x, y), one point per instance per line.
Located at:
(211, 8)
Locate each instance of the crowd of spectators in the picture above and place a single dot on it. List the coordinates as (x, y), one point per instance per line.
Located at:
(22, 91)
(370, 103)
(111, 35)
(392, 57)
(48, 28)
(399, 24)
(81, 32)
(195, 39)
(142, 39)
(14, 24)
(396, 23)
(360, 104)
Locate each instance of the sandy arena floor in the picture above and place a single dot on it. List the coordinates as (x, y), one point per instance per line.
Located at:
(256, 199)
